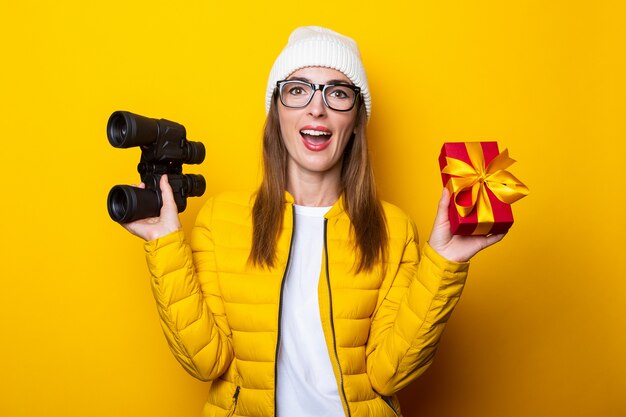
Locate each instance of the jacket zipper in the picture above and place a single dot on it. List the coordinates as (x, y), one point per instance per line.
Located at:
(332, 321)
(234, 406)
(280, 300)
(390, 404)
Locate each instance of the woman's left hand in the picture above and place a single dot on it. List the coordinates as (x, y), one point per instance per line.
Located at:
(453, 247)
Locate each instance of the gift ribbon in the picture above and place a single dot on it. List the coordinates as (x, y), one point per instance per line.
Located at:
(478, 178)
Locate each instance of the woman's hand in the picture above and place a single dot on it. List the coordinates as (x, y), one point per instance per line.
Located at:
(452, 247)
(156, 227)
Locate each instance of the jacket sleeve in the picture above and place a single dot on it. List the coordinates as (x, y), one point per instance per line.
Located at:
(190, 306)
(407, 326)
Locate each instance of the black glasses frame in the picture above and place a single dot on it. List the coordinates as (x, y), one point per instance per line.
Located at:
(321, 87)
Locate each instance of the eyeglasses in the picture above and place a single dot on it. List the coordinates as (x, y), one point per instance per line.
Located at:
(298, 94)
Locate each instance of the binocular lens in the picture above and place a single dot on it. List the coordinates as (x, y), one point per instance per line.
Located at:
(127, 204)
(125, 129)
(117, 129)
(118, 205)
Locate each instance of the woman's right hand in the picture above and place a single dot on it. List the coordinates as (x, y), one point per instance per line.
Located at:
(156, 227)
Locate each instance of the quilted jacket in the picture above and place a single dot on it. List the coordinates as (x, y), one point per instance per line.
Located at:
(221, 316)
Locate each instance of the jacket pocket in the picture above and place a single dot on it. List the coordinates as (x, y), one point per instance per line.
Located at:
(389, 402)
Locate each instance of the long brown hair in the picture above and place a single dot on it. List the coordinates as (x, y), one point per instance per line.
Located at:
(357, 184)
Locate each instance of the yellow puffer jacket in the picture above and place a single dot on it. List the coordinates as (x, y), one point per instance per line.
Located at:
(221, 316)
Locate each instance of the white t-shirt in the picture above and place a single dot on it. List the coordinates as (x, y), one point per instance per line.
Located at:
(306, 385)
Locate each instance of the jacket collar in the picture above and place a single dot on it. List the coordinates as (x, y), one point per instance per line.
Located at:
(337, 209)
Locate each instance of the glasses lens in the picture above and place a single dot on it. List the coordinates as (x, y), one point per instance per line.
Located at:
(295, 94)
(339, 97)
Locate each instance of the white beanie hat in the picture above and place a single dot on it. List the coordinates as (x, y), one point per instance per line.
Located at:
(314, 46)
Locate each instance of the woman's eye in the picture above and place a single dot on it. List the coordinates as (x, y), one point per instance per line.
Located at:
(338, 93)
(296, 91)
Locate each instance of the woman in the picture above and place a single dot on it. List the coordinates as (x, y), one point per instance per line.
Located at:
(309, 298)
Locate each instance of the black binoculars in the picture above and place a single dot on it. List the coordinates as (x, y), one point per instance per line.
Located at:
(164, 150)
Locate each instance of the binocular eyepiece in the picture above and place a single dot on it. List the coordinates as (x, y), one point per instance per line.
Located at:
(164, 149)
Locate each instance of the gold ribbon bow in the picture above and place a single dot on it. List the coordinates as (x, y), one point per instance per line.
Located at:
(478, 178)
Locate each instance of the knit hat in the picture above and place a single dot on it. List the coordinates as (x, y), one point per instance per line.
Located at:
(314, 46)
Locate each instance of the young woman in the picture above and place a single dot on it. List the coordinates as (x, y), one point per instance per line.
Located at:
(310, 297)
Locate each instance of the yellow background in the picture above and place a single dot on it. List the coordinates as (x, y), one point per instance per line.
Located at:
(540, 329)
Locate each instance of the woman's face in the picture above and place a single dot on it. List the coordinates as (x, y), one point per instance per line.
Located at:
(316, 136)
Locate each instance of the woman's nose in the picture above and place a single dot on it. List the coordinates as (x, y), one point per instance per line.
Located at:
(317, 107)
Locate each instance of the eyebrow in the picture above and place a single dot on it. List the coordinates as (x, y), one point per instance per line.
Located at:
(306, 80)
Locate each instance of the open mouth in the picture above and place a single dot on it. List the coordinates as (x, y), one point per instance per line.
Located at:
(315, 140)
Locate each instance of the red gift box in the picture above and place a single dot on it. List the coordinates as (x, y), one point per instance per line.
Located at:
(482, 191)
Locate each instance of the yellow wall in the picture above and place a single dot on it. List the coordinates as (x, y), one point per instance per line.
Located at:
(540, 330)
